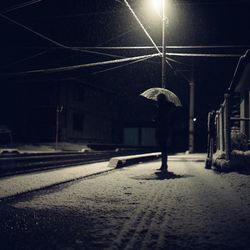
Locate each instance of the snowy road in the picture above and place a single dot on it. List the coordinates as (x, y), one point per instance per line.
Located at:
(134, 208)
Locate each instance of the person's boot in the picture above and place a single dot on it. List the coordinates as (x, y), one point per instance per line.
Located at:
(164, 168)
(164, 165)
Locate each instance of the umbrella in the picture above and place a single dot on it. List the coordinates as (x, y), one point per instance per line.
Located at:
(153, 93)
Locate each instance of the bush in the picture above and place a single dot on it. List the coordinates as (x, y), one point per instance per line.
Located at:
(238, 140)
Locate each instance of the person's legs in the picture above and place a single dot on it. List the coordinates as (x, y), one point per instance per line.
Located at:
(164, 161)
(164, 153)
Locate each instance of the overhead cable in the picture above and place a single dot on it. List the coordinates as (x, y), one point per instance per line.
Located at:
(79, 66)
(116, 37)
(137, 58)
(167, 47)
(213, 2)
(130, 63)
(202, 55)
(137, 19)
(55, 42)
(24, 59)
(81, 48)
(19, 6)
(34, 32)
(123, 65)
(173, 60)
(77, 15)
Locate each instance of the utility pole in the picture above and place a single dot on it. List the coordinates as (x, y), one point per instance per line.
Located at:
(59, 109)
(191, 129)
(164, 20)
(191, 114)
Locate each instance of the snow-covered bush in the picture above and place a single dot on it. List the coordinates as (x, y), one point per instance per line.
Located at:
(238, 159)
(238, 140)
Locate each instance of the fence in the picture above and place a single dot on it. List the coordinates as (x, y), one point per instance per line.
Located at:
(223, 127)
(220, 126)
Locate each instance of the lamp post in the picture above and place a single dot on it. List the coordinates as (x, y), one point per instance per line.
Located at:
(164, 20)
(191, 116)
(160, 6)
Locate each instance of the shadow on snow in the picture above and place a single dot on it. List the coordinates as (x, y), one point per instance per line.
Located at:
(160, 175)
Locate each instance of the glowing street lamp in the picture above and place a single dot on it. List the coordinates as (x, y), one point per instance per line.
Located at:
(160, 6)
(157, 4)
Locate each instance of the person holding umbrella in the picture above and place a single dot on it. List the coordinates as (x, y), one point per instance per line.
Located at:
(163, 129)
(166, 102)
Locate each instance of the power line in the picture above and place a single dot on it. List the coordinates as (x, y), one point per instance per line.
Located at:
(121, 66)
(206, 46)
(79, 66)
(89, 48)
(108, 12)
(19, 6)
(77, 15)
(55, 42)
(167, 47)
(152, 41)
(33, 31)
(140, 60)
(118, 36)
(172, 60)
(136, 58)
(177, 54)
(137, 19)
(202, 55)
(160, 53)
(216, 2)
(25, 59)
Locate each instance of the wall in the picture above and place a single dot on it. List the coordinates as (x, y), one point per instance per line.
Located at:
(90, 115)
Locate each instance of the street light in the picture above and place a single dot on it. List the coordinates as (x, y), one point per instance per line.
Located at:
(161, 4)
(157, 4)
(164, 19)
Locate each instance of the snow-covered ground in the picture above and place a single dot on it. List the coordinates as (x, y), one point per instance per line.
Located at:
(13, 185)
(46, 147)
(136, 208)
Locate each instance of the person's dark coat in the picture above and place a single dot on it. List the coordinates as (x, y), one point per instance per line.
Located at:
(164, 126)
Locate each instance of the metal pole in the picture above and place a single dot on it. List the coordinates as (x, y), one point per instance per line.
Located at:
(163, 80)
(191, 117)
(58, 111)
(57, 124)
(227, 127)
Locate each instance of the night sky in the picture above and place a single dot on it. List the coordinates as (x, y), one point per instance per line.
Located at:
(110, 23)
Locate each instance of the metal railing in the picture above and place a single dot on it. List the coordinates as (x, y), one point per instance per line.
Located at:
(223, 127)
(224, 123)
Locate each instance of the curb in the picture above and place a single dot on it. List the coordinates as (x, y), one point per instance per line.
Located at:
(51, 185)
(123, 161)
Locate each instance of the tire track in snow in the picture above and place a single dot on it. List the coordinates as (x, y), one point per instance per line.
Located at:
(154, 233)
(135, 229)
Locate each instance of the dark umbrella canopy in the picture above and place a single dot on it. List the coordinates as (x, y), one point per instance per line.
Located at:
(153, 93)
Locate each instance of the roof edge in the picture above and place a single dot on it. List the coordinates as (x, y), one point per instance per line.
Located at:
(239, 70)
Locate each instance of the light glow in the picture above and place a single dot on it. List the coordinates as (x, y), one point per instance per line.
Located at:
(157, 5)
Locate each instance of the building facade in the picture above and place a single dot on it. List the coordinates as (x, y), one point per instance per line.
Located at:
(66, 110)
